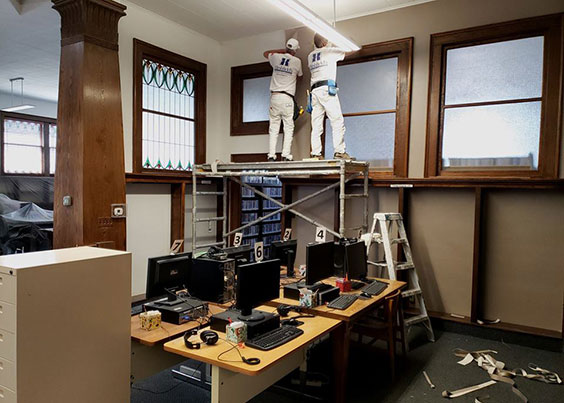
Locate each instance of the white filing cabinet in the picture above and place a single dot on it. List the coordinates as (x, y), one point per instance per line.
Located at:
(65, 326)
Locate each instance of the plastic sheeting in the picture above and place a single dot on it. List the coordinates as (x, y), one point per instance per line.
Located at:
(26, 222)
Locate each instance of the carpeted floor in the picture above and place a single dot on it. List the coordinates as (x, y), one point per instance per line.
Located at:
(369, 379)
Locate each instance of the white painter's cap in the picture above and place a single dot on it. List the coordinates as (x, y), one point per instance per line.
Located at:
(292, 44)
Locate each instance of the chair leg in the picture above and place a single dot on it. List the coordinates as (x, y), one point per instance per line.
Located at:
(402, 331)
(392, 351)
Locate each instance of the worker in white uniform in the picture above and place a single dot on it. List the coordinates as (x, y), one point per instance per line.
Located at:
(324, 99)
(286, 68)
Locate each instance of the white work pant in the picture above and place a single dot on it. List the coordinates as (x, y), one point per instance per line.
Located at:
(323, 103)
(281, 109)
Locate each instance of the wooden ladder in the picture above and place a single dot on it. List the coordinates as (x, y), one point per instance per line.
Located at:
(384, 223)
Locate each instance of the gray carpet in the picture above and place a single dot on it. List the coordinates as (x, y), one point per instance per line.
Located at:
(369, 379)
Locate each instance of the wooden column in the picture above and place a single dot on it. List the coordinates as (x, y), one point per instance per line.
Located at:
(90, 154)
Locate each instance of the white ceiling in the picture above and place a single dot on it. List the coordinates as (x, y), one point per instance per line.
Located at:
(30, 36)
(232, 19)
(29, 47)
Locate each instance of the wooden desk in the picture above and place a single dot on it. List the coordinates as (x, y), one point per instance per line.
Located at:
(238, 382)
(147, 356)
(341, 335)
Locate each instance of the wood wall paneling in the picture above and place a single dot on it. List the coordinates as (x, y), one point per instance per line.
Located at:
(90, 150)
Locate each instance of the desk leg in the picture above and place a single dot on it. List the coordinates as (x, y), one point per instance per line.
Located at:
(233, 387)
(340, 338)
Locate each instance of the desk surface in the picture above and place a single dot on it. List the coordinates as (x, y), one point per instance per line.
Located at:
(359, 307)
(313, 328)
(167, 331)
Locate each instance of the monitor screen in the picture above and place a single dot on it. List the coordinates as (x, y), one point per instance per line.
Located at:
(355, 261)
(257, 283)
(319, 261)
(167, 272)
(286, 252)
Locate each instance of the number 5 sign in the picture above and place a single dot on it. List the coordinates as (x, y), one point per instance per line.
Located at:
(320, 234)
(259, 252)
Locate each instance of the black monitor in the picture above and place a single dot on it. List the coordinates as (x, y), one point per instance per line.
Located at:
(239, 253)
(170, 272)
(257, 283)
(319, 261)
(286, 252)
(355, 261)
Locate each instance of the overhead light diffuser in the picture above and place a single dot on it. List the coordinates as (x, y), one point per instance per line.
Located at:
(21, 106)
(311, 20)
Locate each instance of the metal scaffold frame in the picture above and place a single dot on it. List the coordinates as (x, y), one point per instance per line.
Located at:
(345, 170)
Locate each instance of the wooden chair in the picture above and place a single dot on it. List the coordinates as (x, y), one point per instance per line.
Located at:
(386, 328)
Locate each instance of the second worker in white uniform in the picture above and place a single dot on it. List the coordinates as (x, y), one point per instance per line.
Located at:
(286, 68)
(324, 99)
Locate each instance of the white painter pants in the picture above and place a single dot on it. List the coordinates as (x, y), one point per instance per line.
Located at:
(281, 109)
(322, 103)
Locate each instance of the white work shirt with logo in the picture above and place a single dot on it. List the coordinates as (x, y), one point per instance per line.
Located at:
(285, 71)
(322, 63)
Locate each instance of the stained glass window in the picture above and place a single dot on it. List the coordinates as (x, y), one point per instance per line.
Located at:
(168, 116)
(29, 146)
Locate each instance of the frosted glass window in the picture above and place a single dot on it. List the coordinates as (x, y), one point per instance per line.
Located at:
(492, 136)
(52, 148)
(256, 99)
(23, 146)
(368, 86)
(494, 72)
(368, 138)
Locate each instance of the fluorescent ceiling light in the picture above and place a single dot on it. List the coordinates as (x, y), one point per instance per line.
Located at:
(18, 108)
(21, 106)
(311, 20)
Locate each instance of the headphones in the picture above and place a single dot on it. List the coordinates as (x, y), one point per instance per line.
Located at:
(208, 337)
(284, 310)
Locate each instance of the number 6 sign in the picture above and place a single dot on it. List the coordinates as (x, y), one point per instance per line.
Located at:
(259, 252)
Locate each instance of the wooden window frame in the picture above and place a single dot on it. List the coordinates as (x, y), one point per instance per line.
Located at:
(238, 75)
(551, 28)
(403, 50)
(45, 147)
(143, 50)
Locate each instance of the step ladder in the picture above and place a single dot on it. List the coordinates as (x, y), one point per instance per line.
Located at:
(381, 232)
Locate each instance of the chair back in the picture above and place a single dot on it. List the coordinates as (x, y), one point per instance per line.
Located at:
(392, 302)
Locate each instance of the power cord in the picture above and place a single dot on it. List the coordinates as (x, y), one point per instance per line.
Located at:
(156, 393)
(248, 361)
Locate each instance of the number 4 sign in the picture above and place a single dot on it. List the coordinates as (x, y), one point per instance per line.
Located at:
(259, 252)
(320, 234)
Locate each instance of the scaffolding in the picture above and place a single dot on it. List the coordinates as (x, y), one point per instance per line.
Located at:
(345, 171)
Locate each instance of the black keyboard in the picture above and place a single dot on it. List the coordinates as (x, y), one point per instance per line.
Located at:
(275, 338)
(375, 287)
(355, 285)
(343, 301)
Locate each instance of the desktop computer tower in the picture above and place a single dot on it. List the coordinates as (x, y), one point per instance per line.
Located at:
(212, 279)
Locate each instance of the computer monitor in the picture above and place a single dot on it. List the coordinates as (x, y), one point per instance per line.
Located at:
(286, 252)
(169, 272)
(239, 253)
(355, 261)
(319, 261)
(256, 283)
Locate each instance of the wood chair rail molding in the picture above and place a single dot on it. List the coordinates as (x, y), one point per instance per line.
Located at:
(94, 21)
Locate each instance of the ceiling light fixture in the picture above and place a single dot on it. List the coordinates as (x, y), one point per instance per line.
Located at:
(311, 20)
(21, 106)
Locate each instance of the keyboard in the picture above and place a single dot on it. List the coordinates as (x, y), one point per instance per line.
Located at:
(275, 338)
(375, 287)
(356, 285)
(343, 301)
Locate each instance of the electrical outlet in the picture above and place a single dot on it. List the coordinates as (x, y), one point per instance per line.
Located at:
(67, 201)
(118, 210)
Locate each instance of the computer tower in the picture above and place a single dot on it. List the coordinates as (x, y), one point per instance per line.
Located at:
(212, 279)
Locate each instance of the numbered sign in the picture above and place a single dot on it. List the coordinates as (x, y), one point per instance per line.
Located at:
(237, 239)
(259, 252)
(320, 234)
(287, 234)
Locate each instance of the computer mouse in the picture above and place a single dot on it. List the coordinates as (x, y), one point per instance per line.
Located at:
(293, 322)
(365, 295)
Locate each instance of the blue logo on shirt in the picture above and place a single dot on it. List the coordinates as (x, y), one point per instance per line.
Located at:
(284, 62)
